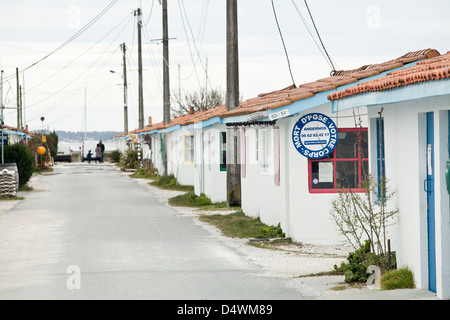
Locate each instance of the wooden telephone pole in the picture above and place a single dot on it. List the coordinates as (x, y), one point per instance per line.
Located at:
(166, 82)
(232, 101)
(125, 90)
(140, 86)
(165, 41)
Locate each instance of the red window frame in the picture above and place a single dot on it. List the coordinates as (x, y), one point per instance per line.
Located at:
(332, 158)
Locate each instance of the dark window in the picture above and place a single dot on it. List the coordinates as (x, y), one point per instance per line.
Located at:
(345, 168)
(223, 151)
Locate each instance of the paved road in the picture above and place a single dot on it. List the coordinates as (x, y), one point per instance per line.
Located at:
(90, 232)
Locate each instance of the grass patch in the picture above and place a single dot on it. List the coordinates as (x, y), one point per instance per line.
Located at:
(190, 199)
(319, 274)
(339, 288)
(347, 286)
(170, 183)
(11, 198)
(397, 279)
(42, 169)
(143, 173)
(238, 225)
(26, 188)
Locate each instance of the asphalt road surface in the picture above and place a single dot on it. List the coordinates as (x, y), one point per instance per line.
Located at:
(90, 232)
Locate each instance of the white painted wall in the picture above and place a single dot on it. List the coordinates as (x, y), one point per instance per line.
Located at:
(155, 153)
(405, 148)
(260, 193)
(303, 216)
(309, 213)
(177, 165)
(121, 144)
(208, 178)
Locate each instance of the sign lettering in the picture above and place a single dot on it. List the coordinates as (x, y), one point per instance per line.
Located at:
(315, 135)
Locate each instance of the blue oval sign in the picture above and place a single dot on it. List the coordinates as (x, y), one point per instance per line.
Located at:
(314, 135)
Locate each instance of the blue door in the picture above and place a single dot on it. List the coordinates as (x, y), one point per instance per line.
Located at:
(429, 188)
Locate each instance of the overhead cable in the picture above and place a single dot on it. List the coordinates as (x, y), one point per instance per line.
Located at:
(320, 39)
(76, 35)
(282, 40)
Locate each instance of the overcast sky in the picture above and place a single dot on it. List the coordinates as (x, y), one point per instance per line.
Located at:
(59, 85)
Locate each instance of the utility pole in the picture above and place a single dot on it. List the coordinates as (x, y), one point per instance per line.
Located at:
(18, 98)
(165, 41)
(125, 90)
(20, 109)
(141, 95)
(23, 113)
(166, 82)
(232, 101)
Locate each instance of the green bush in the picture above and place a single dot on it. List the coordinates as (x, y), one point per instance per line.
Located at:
(129, 160)
(397, 279)
(22, 156)
(355, 270)
(115, 156)
(271, 232)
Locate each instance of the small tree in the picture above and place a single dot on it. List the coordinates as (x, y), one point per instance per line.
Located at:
(199, 100)
(52, 143)
(363, 218)
(360, 217)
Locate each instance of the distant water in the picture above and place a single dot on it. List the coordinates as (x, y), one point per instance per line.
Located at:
(110, 145)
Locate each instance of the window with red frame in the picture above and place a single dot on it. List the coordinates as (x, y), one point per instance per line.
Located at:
(345, 168)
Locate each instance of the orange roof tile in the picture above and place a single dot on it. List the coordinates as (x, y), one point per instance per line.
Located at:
(436, 67)
(185, 119)
(279, 98)
(288, 95)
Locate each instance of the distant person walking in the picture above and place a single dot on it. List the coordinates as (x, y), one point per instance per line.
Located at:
(89, 156)
(102, 150)
(98, 154)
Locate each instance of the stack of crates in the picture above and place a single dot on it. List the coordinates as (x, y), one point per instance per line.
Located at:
(8, 183)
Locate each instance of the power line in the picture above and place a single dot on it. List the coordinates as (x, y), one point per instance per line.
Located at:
(76, 35)
(282, 40)
(183, 9)
(83, 53)
(91, 65)
(312, 36)
(320, 39)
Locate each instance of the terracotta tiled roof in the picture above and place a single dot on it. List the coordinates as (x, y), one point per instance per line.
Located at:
(435, 68)
(288, 95)
(280, 98)
(186, 119)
